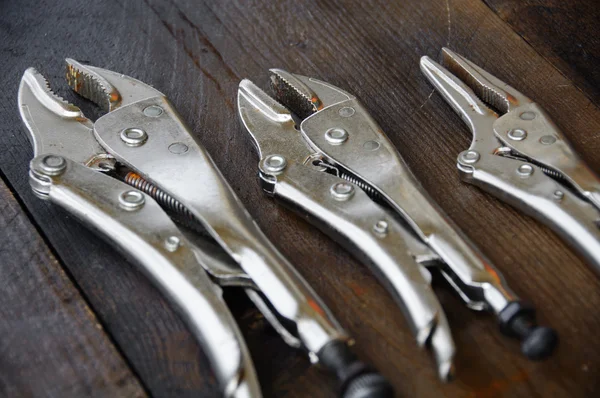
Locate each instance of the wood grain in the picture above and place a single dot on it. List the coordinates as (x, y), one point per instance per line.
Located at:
(52, 344)
(563, 32)
(196, 53)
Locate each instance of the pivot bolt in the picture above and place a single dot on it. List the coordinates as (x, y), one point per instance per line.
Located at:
(275, 163)
(134, 136)
(53, 165)
(469, 157)
(342, 191)
(525, 170)
(517, 134)
(131, 200)
(336, 136)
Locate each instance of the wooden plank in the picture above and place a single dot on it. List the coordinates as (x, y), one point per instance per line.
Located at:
(563, 32)
(52, 343)
(196, 52)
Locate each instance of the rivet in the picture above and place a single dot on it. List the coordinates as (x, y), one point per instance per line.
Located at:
(342, 191)
(178, 148)
(547, 140)
(371, 145)
(153, 111)
(336, 136)
(346, 111)
(131, 200)
(525, 170)
(558, 195)
(134, 136)
(517, 134)
(381, 227)
(172, 243)
(53, 165)
(527, 115)
(275, 163)
(469, 157)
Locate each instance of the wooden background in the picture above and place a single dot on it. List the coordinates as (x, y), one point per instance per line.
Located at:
(78, 320)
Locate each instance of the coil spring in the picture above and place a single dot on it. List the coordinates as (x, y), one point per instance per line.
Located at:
(551, 173)
(163, 198)
(373, 194)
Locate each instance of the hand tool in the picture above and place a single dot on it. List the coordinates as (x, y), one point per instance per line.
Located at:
(322, 153)
(85, 167)
(518, 154)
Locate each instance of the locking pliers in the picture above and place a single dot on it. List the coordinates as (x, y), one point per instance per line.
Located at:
(322, 153)
(519, 154)
(128, 173)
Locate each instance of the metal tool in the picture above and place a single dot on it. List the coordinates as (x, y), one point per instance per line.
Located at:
(321, 152)
(85, 166)
(519, 155)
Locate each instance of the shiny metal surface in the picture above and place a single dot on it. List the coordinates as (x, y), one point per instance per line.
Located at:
(359, 155)
(145, 234)
(539, 172)
(142, 132)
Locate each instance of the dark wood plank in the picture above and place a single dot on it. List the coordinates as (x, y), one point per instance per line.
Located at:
(52, 343)
(196, 52)
(563, 32)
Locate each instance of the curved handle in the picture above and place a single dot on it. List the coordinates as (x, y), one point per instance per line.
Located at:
(134, 223)
(373, 234)
(170, 158)
(540, 196)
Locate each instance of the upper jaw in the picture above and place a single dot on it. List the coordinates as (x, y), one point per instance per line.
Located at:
(305, 96)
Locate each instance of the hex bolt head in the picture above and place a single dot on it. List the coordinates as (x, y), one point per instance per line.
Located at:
(346, 111)
(527, 115)
(336, 136)
(342, 191)
(53, 165)
(133, 136)
(547, 140)
(517, 134)
(469, 157)
(172, 243)
(131, 200)
(153, 111)
(275, 163)
(525, 170)
(381, 227)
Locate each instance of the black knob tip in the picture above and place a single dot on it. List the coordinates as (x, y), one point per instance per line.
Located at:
(518, 320)
(540, 343)
(368, 385)
(357, 379)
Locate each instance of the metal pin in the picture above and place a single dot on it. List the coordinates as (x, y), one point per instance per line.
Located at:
(131, 200)
(275, 163)
(53, 165)
(134, 136)
(342, 191)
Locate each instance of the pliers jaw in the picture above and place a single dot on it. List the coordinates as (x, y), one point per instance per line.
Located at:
(275, 122)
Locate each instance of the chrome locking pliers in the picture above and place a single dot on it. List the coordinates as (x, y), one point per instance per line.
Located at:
(127, 173)
(322, 153)
(519, 154)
